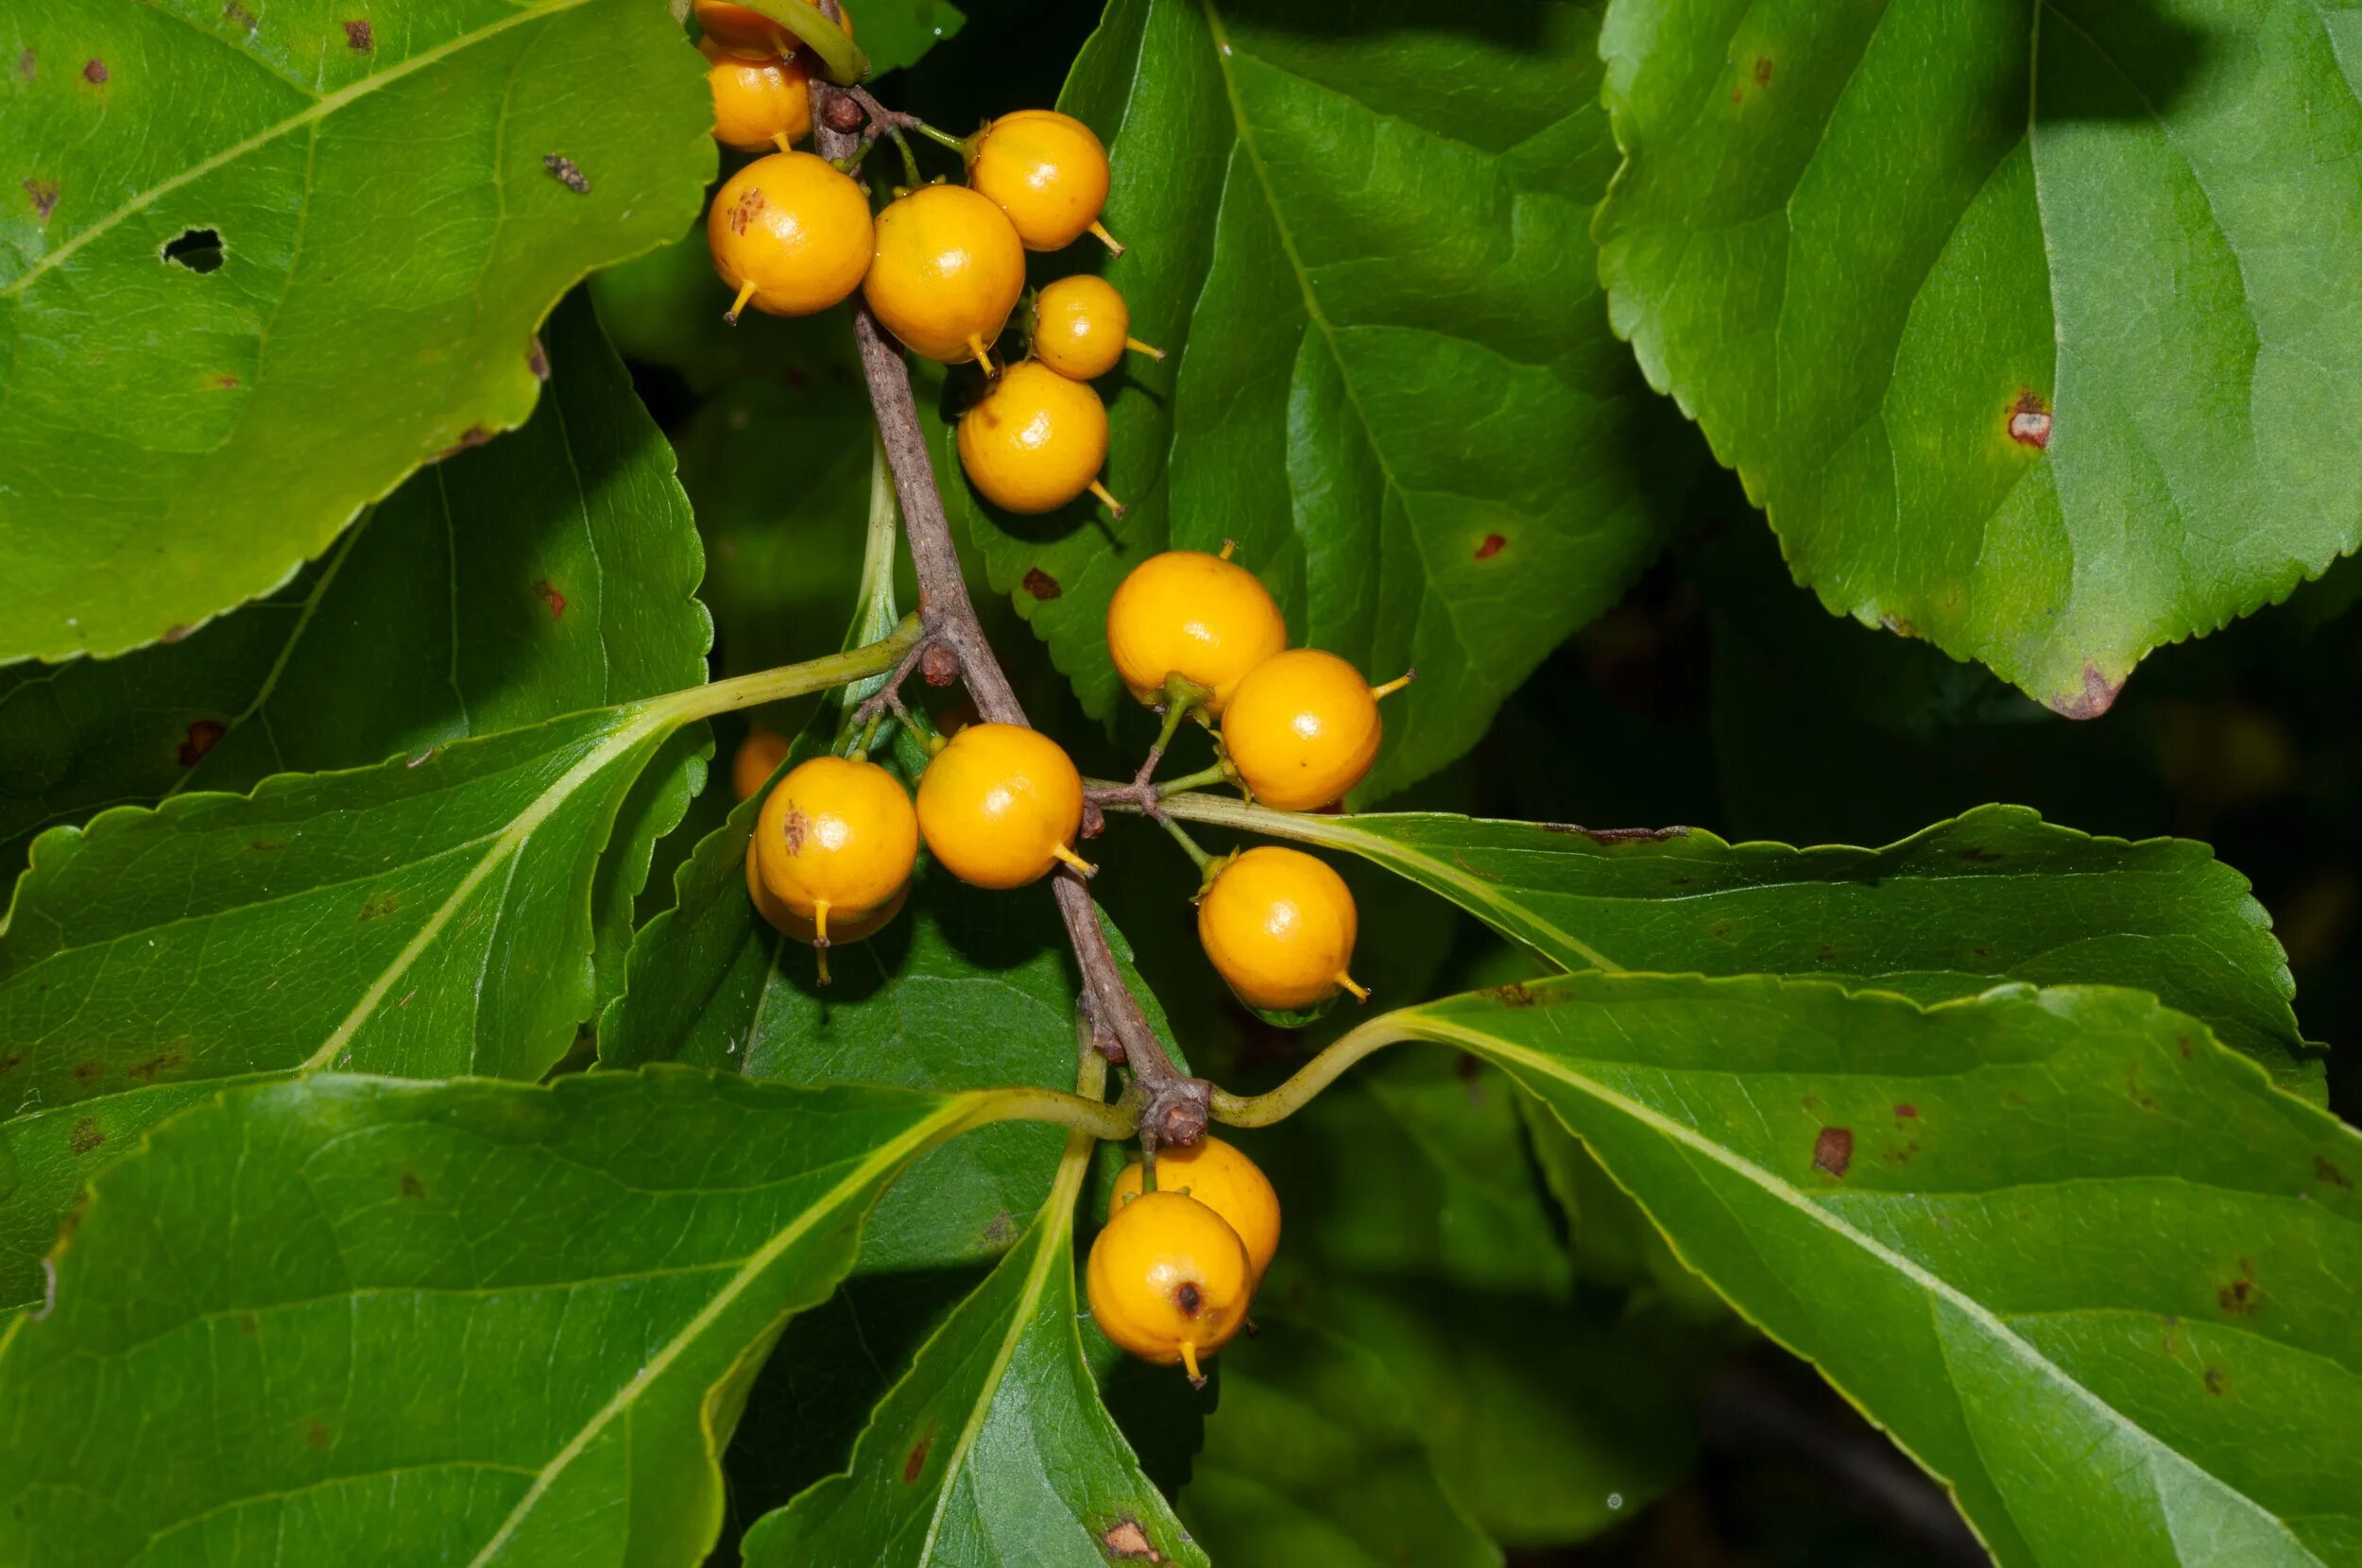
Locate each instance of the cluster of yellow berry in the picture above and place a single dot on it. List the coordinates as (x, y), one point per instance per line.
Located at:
(1173, 1273)
(942, 266)
(1299, 728)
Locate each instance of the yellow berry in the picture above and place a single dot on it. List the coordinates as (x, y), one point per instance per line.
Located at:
(790, 233)
(758, 105)
(1001, 805)
(1169, 1280)
(1194, 615)
(1048, 172)
(1302, 728)
(1220, 1176)
(1080, 327)
(835, 841)
(946, 272)
(774, 909)
(1036, 441)
(1280, 925)
(747, 33)
(758, 756)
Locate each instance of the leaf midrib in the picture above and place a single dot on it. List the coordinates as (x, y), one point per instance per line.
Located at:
(1933, 1287)
(310, 114)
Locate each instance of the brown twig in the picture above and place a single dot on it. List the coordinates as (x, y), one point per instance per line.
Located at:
(1173, 1104)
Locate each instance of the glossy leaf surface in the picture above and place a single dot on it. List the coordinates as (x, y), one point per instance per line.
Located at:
(2084, 1263)
(1388, 374)
(266, 260)
(1996, 894)
(316, 1322)
(421, 921)
(554, 571)
(2015, 317)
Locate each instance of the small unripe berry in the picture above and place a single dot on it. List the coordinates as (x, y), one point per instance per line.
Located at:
(1000, 805)
(791, 233)
(1302, 728)
(758, 105)
(1036, 441)
(1169, 1280)
(1279, 927)
(1081, 326)
(836, 838)
(1047, 171)
(1194, 615)
(946, 272)
(1220, 1176)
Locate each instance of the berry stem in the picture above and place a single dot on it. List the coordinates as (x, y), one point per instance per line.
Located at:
(935, 135)
(1172, 787)
(1188, 844)
(1176, 1105)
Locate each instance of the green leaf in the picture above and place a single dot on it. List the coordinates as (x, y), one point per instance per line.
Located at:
(423, 920)
(994, 1447)
(2084, 1263)
(356, 1319)
(398, 201)
(551, 572)
(895, 33)
(1388, 362)
(1313, 1457)
(2010, 315)
(1417, 1230)
(1995, 895)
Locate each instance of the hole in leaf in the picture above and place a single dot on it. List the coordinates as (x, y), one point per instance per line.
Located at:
(198, 249)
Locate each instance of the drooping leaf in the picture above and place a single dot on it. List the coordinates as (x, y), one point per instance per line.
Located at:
(421, 920)
(1417, 1228)
(895, 33)
(2085, 1264)
(1314, 1457)
(551, 572)
(994, 1447)
(266, 260)
(1359, 231)
(2010, 315)
(350, 1318)
(1996, 894)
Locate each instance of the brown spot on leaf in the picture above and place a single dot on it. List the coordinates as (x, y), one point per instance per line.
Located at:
(2029, 420)
(1763, 70)
(266, 846)
(550, 596)
(87, 1073)
(915, 1464)
(2330, 1173)
(85, 1136)
(562, 169)
(1898, 625)
(1900, 1153)
(178, 631)
(316, 1435)
(1833, 1151)
(1512, 995)
(474, 436)
(247, 1326)
(44, 196)
(1907, 1111)
(1041, 585)
(162, 1062)
(359, 38)
(1828, 953)
(11, 1061)
(2215, 1382)
(2240, 1298)
(794, 829)
(95, 71)
(1126, 1542)
(1000, 1230)
(238, 16)
(228, 384)
(537, 361)
(202, 735)
(2097, 695)
(380, 906)
(1492, 545)
(1616, 835)
(1979, 856)
(27, 65)
(412, 1187)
